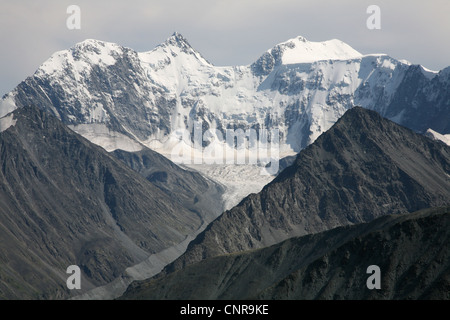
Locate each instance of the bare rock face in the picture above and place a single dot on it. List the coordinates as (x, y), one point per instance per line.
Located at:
(188, 188)
(411, 250)
(364, 167)
(65, 201)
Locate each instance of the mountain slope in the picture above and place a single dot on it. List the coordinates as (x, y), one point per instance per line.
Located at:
(66, 201)
(364, 167)
(412, 251)
(190, 189)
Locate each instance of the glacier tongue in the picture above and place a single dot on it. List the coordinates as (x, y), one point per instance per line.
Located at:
(82, 57)
(239, 180)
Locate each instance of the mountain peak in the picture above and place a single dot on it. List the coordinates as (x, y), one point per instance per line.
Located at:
(178, 36)
(300, 50)
(360, 112)
(177, 43)
(361, 120)
(177, 39)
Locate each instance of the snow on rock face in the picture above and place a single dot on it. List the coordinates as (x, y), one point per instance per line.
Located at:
(6, 122)
(437, 136)
(299, 87)
(8, 104)
(81, 57)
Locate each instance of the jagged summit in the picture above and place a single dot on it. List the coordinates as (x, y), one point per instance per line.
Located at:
(177, 39)
(175, 45)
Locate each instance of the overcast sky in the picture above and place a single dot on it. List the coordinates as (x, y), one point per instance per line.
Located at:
(231, 32)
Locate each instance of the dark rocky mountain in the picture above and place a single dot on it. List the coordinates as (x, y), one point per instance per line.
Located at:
(364, 167)
(412, 251)
(189, 188)
(65, 201)
(415, 103)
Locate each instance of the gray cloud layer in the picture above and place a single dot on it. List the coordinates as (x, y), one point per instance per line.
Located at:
(231, 32)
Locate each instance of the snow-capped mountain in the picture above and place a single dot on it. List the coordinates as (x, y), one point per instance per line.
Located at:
(120, 98)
